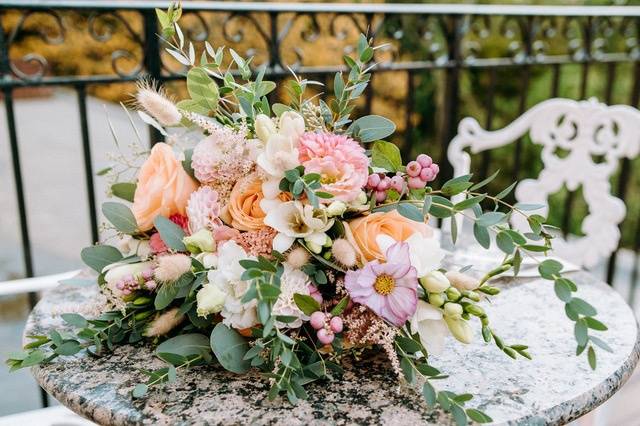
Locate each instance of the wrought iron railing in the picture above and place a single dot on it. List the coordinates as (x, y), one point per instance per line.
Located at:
(440, 63)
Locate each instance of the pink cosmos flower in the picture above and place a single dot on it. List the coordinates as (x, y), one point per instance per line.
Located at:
(388, 289)
(340, 161)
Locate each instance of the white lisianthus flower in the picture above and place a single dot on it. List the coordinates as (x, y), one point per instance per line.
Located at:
(227, 278)
(430, 325)
(201, 241)
(210, 300)
(292, 281)
(293, 219)
(425, 253)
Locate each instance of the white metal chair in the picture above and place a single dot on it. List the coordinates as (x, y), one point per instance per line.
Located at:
(52, 416)
(594, 136)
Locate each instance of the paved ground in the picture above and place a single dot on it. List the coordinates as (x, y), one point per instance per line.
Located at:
(51, 151)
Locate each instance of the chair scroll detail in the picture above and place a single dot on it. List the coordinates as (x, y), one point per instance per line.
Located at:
(582, 145)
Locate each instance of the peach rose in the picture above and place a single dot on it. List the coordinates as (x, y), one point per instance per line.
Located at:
(366, 229)
(163, 187)
(243, 210)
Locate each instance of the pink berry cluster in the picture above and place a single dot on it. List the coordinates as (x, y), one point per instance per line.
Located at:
(380, 183)
(421, 171)
(128, 284)
(326, 326)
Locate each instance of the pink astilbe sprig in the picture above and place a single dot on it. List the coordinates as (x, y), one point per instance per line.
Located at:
(339, 160)
(257, 243)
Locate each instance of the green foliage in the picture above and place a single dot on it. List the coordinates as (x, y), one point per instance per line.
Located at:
(386, 156)
(100, 256)
(120, 216)
(171, 234)
(124, 190)
(229, 347)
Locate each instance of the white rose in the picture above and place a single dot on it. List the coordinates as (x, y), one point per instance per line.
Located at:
(210, 300)
(117, 271)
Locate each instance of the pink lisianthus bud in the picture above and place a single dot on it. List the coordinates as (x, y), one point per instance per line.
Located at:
(414, 168)
(416, 183)
(424, 160)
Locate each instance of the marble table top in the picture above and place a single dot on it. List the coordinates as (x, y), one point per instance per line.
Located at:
(554, 388)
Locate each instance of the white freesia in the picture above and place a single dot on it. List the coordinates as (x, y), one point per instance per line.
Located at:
(425, 253)
(430, 325)
(293, 219)
(280, 146)
(435, 282)
(227, 278)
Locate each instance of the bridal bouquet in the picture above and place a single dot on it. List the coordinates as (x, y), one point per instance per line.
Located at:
(285, 237)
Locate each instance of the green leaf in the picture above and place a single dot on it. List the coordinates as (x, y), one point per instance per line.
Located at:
(190, 105)
(482, 236)
(490, 219)
(120, 216)
(124, 190)
(386, 155)
(469, 202)
(372, 127)
(456, 185)
(166, 295)
(484, 182)
(202, 89)
(70, 347)
(35, 357)
(549, 268)
(170, 233)
(229, 347)
(186, 345)
(582, 307)
(99, 257)
(562, 290)
(459, 415)
(581, 332)
(478, 416)
(426, 206)
(505, 243)
(307, 304)
(139, 390)
(591, 356)
(75, 320)
(410, 212)
(408, 345)
(429, 394)
(186, 163)
(340, 307)
(595, 324)
(601, 343)
(506, 191)
(527, 207)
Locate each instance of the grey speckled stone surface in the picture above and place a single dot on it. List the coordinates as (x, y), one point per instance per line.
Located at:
(554, 388)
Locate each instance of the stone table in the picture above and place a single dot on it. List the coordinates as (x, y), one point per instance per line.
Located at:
(554, 388)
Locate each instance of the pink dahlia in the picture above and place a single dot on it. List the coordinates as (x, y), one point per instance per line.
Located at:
(388, 289)
(340, 161)
(203, 209)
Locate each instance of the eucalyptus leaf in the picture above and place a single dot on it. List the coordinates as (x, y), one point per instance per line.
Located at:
(99, 257)
(372, 127)
(124, 190)
(170, 233)
(202, 89)
(120, 216)
(229, 347)
(186, 345)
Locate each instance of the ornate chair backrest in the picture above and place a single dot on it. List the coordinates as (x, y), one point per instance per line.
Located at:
(594, 136)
